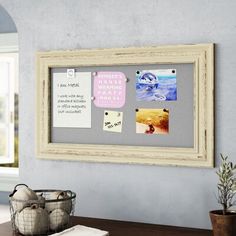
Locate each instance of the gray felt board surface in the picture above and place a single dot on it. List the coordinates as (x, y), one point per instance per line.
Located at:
(180, 112)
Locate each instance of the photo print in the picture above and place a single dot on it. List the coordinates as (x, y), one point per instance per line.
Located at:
(152, 121)
(156, 85)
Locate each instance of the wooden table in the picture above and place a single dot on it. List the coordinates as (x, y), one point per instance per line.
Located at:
(123, 228)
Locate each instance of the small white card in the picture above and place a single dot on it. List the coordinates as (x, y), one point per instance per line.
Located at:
(113, 121)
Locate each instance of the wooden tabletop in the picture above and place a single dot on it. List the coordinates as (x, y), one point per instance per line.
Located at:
(124, 228)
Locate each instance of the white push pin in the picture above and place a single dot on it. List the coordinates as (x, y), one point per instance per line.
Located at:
(94, 73)
(126, 80)
(93, 98)
(70, 73)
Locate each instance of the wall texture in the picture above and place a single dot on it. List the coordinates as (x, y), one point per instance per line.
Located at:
(6, 23)
(162, 195)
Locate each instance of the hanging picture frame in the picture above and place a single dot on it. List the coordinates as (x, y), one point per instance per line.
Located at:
(200, 153)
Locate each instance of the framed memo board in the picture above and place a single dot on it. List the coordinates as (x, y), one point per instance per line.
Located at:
(184, 135)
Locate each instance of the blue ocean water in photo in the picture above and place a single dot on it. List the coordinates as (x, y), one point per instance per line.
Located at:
(160, 88)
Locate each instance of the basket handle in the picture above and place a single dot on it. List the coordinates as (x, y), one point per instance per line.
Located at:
(15, 188)
(69, 192)
(62, 193)
(65, 194)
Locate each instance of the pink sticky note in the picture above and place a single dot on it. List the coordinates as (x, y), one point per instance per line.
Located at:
(109, 89)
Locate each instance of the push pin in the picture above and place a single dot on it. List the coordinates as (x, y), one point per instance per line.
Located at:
(93, 98)
(126, 80)
(94, 73)
(70, 73)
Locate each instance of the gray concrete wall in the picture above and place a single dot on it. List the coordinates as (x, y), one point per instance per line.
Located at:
(154, 194)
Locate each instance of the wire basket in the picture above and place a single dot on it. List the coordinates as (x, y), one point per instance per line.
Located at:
(49, 213)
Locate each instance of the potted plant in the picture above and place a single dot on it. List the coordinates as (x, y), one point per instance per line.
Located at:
(224, 221)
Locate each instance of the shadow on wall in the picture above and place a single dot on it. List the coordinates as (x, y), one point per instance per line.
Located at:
(6, 23)
(4, 198)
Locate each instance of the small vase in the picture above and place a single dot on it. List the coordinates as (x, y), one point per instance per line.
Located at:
(223, 225)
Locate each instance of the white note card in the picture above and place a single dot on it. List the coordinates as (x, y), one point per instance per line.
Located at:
(113, 121)
(72, 100)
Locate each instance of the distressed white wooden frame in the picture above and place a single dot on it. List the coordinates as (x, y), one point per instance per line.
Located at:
(202, 152)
